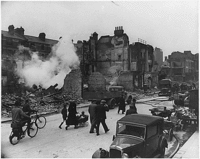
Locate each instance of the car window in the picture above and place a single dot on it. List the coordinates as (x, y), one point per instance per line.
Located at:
(131, 130)
(151, 131)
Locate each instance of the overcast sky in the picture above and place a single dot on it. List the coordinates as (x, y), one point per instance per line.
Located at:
(169, 25)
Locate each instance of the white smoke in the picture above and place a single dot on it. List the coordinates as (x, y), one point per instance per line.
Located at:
(52, 71)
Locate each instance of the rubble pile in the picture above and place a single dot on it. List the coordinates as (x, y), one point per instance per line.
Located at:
(140, 94)
(52, 102)
(185, 112)
(44, 104)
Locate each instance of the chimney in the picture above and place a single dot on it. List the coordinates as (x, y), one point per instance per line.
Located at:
(119, 31)
(42, 36)
(95, 36)
(20, 31)
(11, 29)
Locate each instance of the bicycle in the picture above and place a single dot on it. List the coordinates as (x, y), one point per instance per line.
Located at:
(16, 135)
(40, 120)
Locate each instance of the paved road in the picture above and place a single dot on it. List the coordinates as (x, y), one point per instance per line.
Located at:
(52, 142)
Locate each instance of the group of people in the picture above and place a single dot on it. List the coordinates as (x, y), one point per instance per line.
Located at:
(71, 116)
(122, 105)
(97, 111)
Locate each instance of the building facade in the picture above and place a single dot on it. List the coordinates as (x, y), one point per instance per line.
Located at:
(121, 63)
(158, 55)
(183, 66)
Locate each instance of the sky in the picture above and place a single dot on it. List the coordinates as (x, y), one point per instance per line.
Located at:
(168, 25)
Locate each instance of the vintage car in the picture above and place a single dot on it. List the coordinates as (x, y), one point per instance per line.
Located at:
(165, 92)
(138, 135)
(165, 87)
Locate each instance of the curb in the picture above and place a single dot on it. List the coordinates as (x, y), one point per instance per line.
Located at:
(47, 114)
(177, 148)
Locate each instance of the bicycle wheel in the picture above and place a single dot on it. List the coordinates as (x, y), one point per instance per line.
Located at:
(14, 138)
(32, 131)
(41, 122)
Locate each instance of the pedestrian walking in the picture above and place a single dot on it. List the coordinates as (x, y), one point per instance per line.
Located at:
(101, 116)
(121, 104)
(132, 109)
(64, 114)
(92, 111)
(72, 119)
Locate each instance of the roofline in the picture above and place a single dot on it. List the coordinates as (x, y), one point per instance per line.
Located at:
(136, 123)
(29, 36)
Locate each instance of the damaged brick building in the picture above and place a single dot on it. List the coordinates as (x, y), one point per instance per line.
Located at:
(121, 63)
(183, 67)
(10, 55)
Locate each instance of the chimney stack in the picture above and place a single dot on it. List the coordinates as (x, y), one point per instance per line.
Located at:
(20, 31)
(119, 31)
(42, 36)
(95, 36)
(11, 29)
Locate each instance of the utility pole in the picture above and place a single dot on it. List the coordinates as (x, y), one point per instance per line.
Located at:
(82, 69)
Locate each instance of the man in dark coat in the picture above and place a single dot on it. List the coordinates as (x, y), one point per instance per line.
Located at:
(122, 104)
(132, 109)
(92, 111)
(101, 116)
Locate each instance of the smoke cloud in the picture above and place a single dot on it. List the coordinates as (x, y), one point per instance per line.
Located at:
(51, 71)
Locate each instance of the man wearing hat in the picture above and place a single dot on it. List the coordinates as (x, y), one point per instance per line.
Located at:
(101, 116)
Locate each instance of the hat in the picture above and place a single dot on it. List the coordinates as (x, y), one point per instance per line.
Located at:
(103, 101)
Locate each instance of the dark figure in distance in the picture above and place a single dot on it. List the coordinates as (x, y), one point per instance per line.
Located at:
(92, 111)
(101, 116)
(64, 114)
(72, 119)
(132, 109)
(122, 104)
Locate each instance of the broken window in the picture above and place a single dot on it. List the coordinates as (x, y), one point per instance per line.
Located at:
(119, 57)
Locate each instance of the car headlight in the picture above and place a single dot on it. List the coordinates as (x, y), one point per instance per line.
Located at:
(124, 155)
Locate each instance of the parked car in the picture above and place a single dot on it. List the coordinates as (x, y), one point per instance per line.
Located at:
(138, 135)
(165, 92)
(165, 87)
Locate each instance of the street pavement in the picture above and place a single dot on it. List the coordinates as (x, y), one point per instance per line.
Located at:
(52, 142)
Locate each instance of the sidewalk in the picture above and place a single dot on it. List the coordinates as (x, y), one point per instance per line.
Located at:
(190, 149)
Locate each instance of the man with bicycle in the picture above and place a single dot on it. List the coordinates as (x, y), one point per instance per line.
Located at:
(18, 118)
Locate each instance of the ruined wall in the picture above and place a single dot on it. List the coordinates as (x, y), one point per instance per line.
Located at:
(96, 82)
(72, 84)
(126, 80)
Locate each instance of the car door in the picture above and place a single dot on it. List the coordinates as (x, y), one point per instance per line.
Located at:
(152, 139)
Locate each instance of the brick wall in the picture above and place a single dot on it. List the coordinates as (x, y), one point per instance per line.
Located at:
(72, 84)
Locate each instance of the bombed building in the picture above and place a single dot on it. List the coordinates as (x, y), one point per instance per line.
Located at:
(16, 49)
(121, 63)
